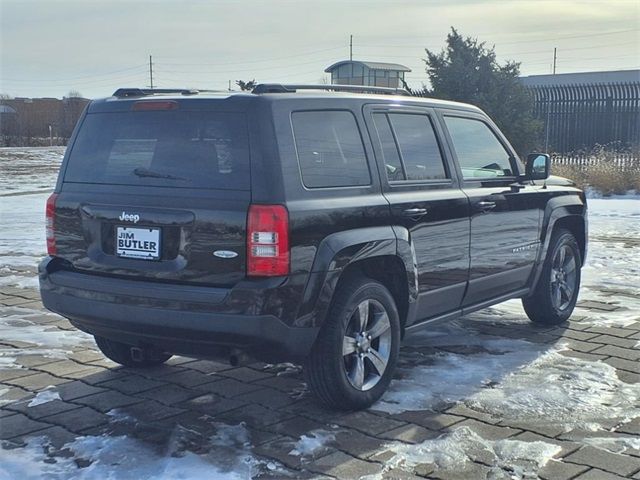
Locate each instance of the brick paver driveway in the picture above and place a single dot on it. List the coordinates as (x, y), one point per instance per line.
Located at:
(98, 398)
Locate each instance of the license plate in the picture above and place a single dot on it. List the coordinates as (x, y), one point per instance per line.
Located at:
(142, 243)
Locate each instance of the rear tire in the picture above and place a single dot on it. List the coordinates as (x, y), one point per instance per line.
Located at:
(121, 353)
(556, 293)
(347, 370)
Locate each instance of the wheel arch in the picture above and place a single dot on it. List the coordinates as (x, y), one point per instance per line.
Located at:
(375, 253)
(390, 271)
(569, 212)
(576, 225)
(565, 211)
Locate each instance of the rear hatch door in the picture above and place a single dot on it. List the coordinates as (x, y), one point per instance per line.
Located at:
(157, 191)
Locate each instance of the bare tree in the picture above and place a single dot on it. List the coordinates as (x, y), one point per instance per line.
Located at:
(74, 94)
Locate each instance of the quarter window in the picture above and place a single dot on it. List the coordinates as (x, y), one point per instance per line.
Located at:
(479, 152)
(330, 149)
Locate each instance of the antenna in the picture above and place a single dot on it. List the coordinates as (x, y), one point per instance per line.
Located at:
(350, 47)
(151, 72)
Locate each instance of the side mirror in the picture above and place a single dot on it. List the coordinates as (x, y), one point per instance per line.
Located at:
(538, 166)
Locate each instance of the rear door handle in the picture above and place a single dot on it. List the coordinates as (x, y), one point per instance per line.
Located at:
(485, 206)
(414, 212)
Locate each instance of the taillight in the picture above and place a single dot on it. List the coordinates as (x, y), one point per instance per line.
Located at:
(267, 241)
(50, 219)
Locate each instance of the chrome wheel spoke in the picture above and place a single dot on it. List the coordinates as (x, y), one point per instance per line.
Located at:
(562, 255)
(356, 375)
(348, 345)
(570, 267)
(567, 289)
(381, 325)
(567, 259)
(378, 361)
(363, 315)
(557, 296)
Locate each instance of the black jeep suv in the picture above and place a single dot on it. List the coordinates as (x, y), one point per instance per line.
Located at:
(296, 224)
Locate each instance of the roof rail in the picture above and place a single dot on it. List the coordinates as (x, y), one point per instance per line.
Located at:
(291, 88)
(143, 92)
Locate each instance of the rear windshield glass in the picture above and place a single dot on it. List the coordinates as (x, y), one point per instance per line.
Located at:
(183, 149)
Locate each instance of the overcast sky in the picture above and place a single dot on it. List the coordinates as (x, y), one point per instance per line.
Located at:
(51, 47)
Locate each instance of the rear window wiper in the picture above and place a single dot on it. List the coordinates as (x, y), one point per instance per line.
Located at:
(145, 172)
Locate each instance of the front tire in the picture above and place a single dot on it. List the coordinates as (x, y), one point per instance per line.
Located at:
(352, 362)
(556, 293)
(121, 353)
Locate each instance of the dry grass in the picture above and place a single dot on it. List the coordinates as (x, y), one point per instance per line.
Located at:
(603, 175)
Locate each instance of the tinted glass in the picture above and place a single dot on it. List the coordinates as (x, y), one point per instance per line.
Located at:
(479, 152)
(393, 165)
(418, 147)
(166, 148)
(330, 149)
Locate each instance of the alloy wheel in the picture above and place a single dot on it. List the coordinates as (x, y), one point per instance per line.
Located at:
(563, 277)
(366, 345)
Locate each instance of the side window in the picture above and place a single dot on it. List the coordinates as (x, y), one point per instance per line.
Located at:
(330, 149)
(418, 146)
(409, 147)
(480, 153)
(392, 162)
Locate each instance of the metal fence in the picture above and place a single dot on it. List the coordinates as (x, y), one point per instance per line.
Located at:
(624, 162)
(581, 116)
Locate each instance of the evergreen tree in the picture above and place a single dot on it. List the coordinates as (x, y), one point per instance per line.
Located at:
(467, 71)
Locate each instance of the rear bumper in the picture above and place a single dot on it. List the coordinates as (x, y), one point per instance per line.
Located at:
(196, 321)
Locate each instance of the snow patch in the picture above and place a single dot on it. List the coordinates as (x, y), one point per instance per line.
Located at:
(121, 457)
(227, 435)
(8, 361)
(22, 242)
(20, 279)
(110, 458)
(119, 416)
(614, 444)
(312, 443)
(454, 450)
(9, 357)
(513, 380)
(449, 378)
(614, 241)
(45, 396)
(559, 390)
(19, 327)
(28, 169)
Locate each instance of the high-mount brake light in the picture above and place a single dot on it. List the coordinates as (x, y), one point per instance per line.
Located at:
(152, 105)
(267, 241)
(50, 224)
